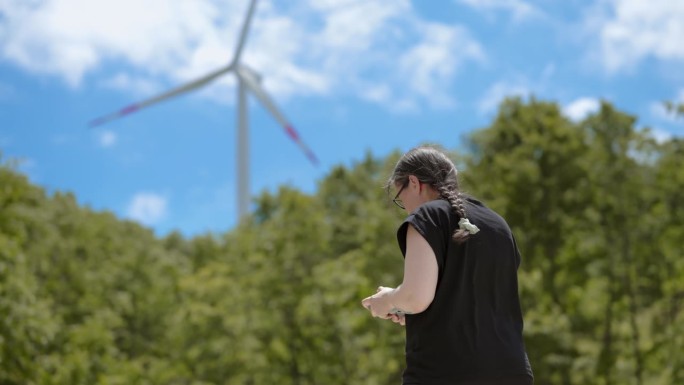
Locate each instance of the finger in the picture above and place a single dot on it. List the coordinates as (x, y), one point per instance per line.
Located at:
(366, 305)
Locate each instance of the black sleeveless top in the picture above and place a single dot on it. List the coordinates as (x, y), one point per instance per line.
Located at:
(472, 330)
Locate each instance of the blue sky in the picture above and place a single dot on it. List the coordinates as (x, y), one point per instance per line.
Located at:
(351, 75)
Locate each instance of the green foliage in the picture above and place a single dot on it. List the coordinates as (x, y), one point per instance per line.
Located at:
(586, 203)
(675, 108)
(596, 208)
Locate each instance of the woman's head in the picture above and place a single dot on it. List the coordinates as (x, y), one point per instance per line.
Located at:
(428, 166)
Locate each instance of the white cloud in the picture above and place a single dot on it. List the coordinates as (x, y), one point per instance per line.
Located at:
(107, 138)
(387, 55)
(498, 92)
(71, 37)
(383, 94)
(660, 135)
(580, 108)
(519, 9)
(137, 85)
(355, 25)
(147, 208)
(632, 30)
(659, 111)
(435, 59)
(319, 47)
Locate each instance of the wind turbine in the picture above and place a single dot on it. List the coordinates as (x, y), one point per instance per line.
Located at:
(247, 80)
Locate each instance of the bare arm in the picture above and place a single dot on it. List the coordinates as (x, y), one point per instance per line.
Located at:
(417, 290)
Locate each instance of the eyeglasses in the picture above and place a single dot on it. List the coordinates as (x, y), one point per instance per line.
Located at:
(398, 201)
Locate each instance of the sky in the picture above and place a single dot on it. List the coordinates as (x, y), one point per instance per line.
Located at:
(352, 76)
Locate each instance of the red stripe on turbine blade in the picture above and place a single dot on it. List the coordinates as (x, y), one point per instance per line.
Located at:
(129, 109)
(294, 136)
(292, 133)
(118, 114)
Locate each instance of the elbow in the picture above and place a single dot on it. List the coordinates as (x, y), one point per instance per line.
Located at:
(421, 306)
(418, 303)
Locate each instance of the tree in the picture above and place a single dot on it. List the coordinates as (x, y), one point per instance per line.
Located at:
(527, 166)
(595, 206)
(587, 203)
(674, 108)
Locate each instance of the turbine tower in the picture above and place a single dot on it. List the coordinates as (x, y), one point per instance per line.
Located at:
(247, 80)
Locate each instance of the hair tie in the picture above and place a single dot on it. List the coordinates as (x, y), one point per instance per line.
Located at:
(464, 224)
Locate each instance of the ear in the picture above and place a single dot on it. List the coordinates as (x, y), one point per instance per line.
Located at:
(414, 180)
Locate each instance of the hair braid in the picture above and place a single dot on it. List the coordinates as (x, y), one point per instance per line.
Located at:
(433, 167)
(453, 196)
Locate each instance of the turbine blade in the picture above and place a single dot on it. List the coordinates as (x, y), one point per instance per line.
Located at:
(243, 32)
(161, 97)
(248, 79)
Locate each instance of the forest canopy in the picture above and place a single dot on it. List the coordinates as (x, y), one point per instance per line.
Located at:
(596, 206)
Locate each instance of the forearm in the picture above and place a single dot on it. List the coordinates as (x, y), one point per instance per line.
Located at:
(404, 300)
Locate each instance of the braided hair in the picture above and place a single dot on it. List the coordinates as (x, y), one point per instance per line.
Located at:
(433, 167)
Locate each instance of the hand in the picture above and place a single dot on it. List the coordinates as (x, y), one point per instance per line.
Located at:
(378, 303)
(398, 319)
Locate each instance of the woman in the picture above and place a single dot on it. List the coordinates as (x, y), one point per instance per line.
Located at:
(459, 296)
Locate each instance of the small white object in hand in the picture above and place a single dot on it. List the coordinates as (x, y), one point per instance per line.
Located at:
(465, 224)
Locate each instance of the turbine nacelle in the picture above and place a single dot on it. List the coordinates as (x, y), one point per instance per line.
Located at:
(249, 73)
(248, 80)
